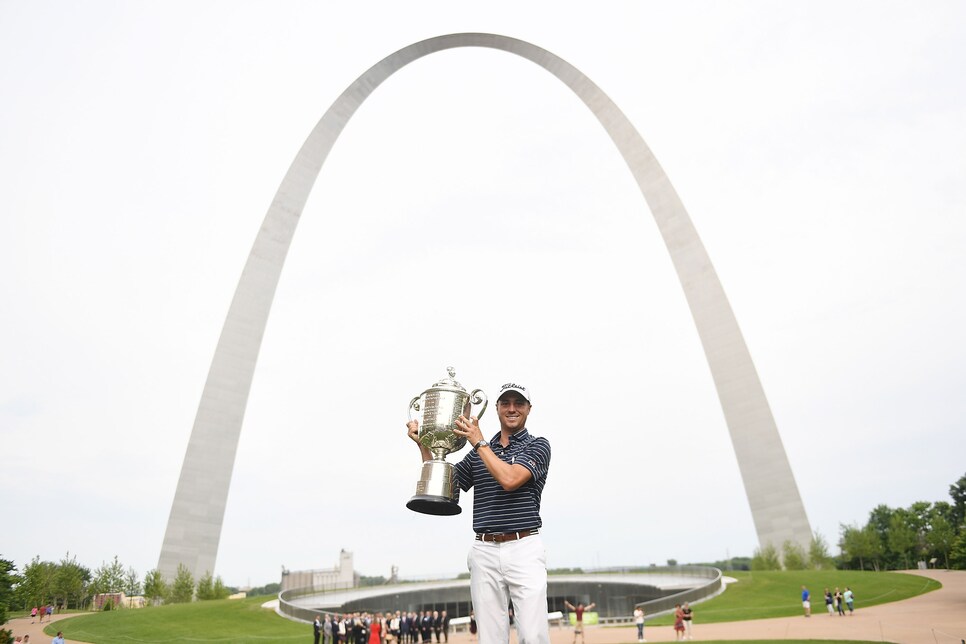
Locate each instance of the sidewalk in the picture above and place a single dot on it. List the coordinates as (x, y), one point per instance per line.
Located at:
(938, 617)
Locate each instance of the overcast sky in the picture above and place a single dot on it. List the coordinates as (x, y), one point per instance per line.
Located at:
(475, 214)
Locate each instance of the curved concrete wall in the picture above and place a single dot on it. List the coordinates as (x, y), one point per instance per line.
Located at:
(194, 526)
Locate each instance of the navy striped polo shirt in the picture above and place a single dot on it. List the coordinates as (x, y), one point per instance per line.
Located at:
(495, 509)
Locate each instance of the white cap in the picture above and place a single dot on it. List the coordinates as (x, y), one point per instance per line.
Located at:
(511, 386)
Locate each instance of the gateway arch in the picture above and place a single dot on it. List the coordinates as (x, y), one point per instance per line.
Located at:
(197, 513)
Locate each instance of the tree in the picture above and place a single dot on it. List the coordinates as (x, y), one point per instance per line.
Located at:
(863, 544)
(957, 554)
(818, 555)
(902, 537)
(850, 543)
(108, 578)
(183, 587)
(71, 584)
(132, 586)
(920, 514)
(793, 556)
(154, 587)
(206, 587)
(957, 492)
(940, 537)
(872, 546)
(8, 576)
(37, 586)
(221, 591)
(766, 559)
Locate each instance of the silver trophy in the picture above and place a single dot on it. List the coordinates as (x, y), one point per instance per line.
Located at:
(437, 409)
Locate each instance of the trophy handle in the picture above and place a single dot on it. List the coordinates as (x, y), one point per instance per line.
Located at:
(476, 397)
(414, 405)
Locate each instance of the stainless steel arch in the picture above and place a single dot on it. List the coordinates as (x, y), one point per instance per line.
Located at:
(197, 513)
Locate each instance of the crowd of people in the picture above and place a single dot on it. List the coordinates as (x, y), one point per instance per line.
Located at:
(835, 601)
(385, 628)
(39, 612)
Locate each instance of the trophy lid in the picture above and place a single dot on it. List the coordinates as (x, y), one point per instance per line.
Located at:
(448, 384)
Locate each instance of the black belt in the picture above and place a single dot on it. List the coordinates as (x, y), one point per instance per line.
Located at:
(500, 537)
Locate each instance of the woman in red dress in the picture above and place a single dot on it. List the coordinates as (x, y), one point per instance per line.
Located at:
(678, 622)
(375, 630)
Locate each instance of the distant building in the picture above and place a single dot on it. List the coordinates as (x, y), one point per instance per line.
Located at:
(340, 577)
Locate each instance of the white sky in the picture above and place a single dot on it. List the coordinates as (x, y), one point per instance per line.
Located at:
(475, 214)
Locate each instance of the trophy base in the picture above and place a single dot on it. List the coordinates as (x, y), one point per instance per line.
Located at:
(435, 505)
(436, 491)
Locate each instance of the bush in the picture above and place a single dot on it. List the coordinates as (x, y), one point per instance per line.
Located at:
(766, 559)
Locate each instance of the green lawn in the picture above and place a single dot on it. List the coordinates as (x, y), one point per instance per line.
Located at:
(239, 620)
(755, 596)
(759, 595)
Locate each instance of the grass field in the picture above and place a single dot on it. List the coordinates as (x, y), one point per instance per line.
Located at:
(759, 595)
(754, 596)
(243, 621)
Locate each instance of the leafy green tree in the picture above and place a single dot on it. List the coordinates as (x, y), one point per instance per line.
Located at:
(863, 544)
(70, 587)
(850, 543)
(206, 587)
(957, 492)
(872, 546)
(8, 577)
(274, 587)
(902, 537)
(108, 578)
(37, 585)
(154, 587)
(921, 513)
(132, 586)
(818, 555)
(957, 553)
(941, 537)
(183, 587)
(221, 591)
(793, 556)
(766, 558)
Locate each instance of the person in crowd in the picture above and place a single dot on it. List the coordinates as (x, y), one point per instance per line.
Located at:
(639, 622)
(678, 622)
(849, 597)
(444, 618)
(688, 614)
(578, 611)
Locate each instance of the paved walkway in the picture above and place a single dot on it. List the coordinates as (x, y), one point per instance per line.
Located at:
(938, 617)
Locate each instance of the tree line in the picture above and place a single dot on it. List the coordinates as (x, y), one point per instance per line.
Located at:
(68, 584)
(892, 539)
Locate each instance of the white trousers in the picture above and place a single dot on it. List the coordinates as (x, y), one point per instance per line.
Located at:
(513, 570)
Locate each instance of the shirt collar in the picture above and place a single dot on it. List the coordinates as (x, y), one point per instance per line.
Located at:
(514, 438)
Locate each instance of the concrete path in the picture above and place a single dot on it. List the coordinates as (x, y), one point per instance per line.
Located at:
(938, 617)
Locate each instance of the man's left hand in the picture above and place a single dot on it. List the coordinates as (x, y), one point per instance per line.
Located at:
(469, 429)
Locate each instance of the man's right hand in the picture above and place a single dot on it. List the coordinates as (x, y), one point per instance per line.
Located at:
(413, 427)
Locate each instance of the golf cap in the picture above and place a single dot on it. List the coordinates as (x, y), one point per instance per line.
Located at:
(511, 386)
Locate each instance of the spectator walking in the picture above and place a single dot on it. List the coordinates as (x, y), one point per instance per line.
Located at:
(849, 600)
(678, 622)
(688, 613)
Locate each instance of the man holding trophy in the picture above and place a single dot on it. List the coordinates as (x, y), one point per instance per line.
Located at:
(507, 561)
